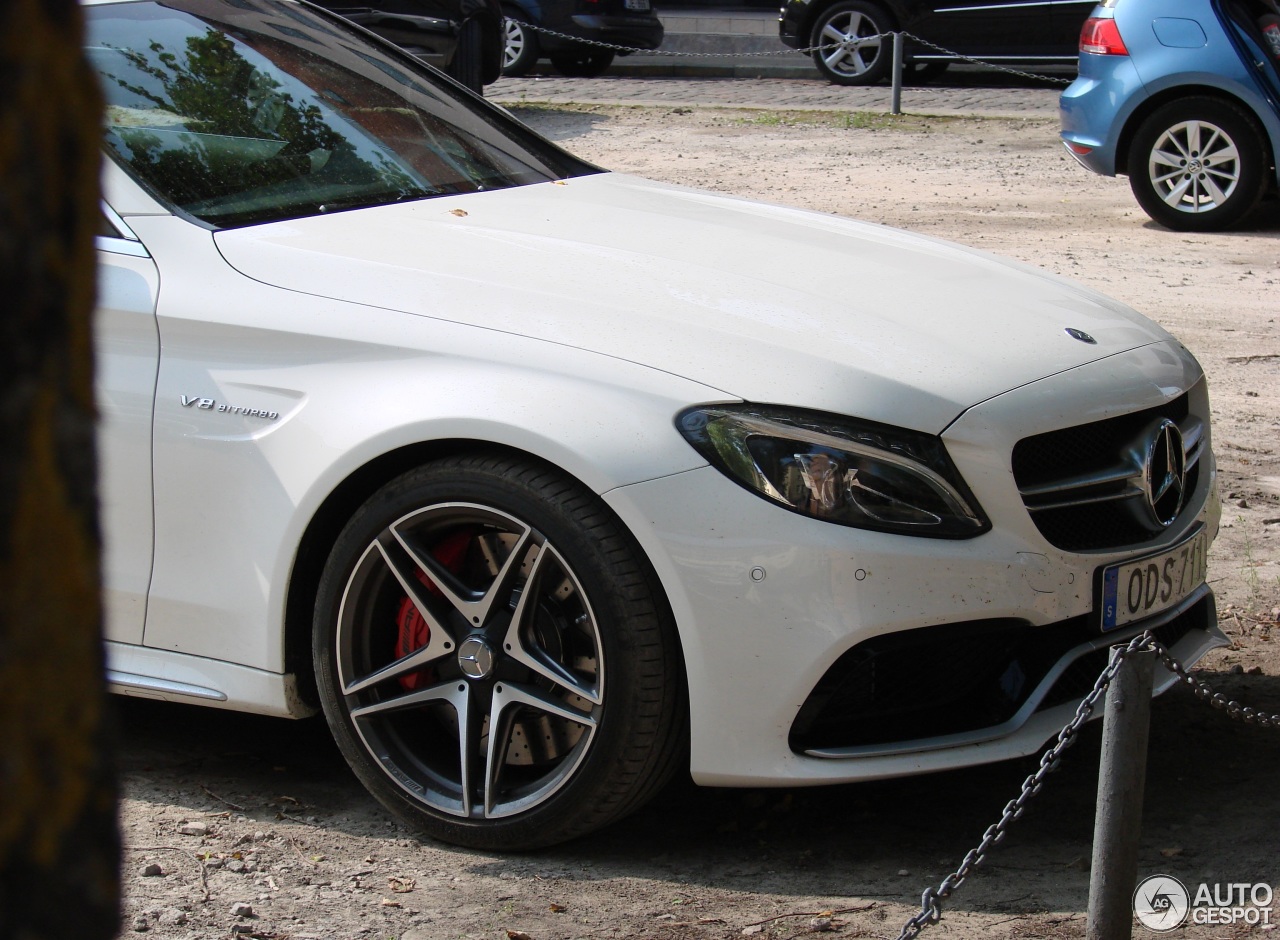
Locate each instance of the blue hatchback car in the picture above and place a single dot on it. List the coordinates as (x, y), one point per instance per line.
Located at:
(1183, 96)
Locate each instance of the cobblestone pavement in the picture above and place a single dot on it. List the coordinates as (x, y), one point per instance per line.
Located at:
(1002, 100)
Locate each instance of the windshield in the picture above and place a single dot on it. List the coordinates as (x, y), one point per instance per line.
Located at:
(245, 111)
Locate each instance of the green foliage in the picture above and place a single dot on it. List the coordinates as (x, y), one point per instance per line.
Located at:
(213, 90)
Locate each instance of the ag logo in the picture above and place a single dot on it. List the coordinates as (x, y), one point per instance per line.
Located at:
(1161, 902)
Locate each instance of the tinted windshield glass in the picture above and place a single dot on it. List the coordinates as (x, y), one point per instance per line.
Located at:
(245, 111)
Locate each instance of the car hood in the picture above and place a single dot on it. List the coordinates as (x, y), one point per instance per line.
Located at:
(760, 302)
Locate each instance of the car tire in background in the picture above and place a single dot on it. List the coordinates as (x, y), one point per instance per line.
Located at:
(495, 657)
(863, 65)
(1197, 164)
(522, 48)
(587, 63)
(468, 59)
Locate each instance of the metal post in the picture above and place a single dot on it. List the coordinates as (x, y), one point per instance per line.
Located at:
(896, 107)
(1122, 775)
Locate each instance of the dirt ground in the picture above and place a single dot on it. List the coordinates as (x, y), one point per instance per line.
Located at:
(238, 825)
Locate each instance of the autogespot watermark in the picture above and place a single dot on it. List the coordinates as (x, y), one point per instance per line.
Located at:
(1162, 902)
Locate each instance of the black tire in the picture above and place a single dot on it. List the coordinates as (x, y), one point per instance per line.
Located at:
(521, 50)
(468, 56)
(485, 591)
(585, 64)
(863, 64)
(1198, 164)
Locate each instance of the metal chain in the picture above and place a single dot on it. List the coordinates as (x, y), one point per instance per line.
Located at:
(1206, 693)
(989, 65)
(931, 900)
(851, 44)
(695, 55)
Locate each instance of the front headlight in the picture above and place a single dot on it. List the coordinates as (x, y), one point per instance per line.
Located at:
(837, 469)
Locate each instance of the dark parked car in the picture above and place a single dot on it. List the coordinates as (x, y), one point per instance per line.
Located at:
(462, 38)
(630, 23)
(1003, 31)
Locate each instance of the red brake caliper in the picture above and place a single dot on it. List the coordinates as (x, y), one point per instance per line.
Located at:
(412, 631)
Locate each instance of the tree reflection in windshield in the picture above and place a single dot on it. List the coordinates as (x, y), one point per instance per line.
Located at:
(235, 116)
(236, 128)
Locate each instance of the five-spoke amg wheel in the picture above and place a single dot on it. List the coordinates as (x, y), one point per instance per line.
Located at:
(864, 52)
(1197, 164)
(494, 656)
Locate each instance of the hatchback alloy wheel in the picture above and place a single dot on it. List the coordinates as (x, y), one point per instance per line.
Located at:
(468, 659)
(1197, 164)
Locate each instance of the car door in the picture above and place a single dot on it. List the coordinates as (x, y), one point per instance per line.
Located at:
(127, 347)
(427, 29)
(987, 29)
(1068, 20)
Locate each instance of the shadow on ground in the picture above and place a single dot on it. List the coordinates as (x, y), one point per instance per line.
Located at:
(1211, 812)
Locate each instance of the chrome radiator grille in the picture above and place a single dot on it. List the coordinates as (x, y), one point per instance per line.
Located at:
(1092, 487)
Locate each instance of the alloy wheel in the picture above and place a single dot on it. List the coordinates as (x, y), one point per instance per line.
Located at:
(517, 37)
(860, 44)
(1194, 166)
(849, 42)
(470, 661)
(1198, 164)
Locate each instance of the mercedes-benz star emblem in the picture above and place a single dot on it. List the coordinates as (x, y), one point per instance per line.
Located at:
(475, 658)
(1165, 473)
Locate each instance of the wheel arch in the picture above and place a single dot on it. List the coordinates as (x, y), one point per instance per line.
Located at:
(531, 9)
(817, 10)
(1161, 98)
(359, 485)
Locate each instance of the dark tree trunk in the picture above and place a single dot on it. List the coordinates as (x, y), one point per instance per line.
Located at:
(59, 845)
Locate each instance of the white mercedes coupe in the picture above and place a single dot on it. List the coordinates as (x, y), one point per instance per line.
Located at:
(544, 483)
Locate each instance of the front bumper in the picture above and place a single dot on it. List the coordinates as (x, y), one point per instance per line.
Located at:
(768, 602)
(793, 17)
(959, 684)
